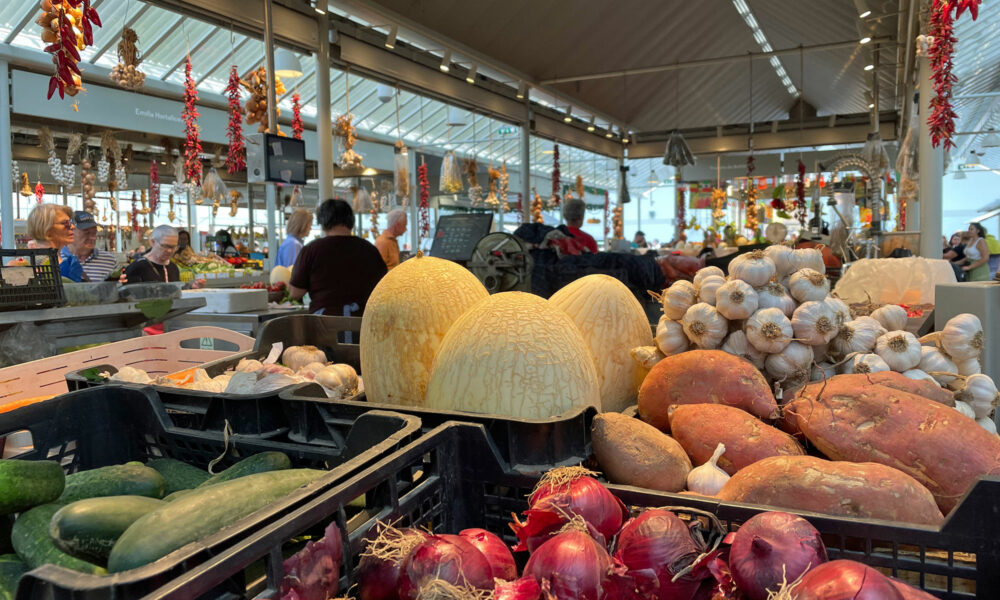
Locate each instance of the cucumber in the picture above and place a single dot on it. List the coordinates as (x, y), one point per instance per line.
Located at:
(6, 522)
(200, 514)
(258, 463)
(11, 569)
(116, 480)
(27, 483)
(34, 546)
(178, 475)
(175, 495)
(88, 529)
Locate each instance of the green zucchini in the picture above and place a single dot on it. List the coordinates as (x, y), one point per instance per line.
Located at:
(27, 483)
(178, 475)
(116, 480)
(88, 529)
(6, 522)
(201, 513)
(11, 569)
(175, 495)
(258, 463)
(35, 547)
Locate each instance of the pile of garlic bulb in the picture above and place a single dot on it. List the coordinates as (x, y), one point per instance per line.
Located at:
(775, 310)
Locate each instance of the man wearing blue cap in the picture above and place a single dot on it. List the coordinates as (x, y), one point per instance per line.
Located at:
(97, 264)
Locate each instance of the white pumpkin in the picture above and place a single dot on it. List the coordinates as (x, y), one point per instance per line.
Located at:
(899, 349)
(963, 337)
(891, 316)
(753, 267)
(808, 285)
(670, 337)
(297, 357)
(405, 319)
(513, 354)
(612, 322)
(677, 298)
(339, 378)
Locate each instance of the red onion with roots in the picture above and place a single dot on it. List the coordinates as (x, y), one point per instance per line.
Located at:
(572, 565)
(655, 547)
(496, 552)
(772, 547)
(447, 558)
(842, 580)
(378, 572)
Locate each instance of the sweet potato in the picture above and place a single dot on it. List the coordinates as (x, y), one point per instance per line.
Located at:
(704, 376)
(636, 453)
(806, 483)
(939, 447)
(701, 427)
(898, 381)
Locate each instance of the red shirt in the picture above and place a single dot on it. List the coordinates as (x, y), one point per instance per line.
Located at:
(584, 238)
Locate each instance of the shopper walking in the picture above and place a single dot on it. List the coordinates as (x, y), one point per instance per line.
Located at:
(338, 271)
(978, 255)
(51, 226)
(98, 265)
(297, 228)
(387, 242)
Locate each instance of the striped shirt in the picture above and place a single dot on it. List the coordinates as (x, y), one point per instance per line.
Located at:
(98, 266)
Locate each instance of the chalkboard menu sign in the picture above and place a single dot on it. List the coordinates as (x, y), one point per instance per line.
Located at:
(456, 236)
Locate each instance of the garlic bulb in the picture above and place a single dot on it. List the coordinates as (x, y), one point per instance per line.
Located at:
(670, 337)
(839, 308)
(806, 285)
(919, 375)
(899, 349)
(965, 409)
(707, 272)
(987, 424)
(708, 479)
(813, 323)
(677, 298)
(296, 357)
(646, 356)
(891, 316)
(795, 358)
(736, 343)
(709, 286)
(736, 300)
(807, 258)
(820, 352)
(821, 371)
(866, 363)
(981, 394)
(774, 295)
(768, 330)
(704, 326)
(936, 363)
(870, 322)
(969, 366)
(962, 337)
(856, 336)
(753, 268)
(781, 256)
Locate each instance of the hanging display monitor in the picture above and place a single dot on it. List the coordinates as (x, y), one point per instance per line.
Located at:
(456, 236)
(275, 158)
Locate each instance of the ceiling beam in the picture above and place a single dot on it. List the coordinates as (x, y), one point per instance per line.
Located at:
(163, 36)
(705, 62)
(222, 61)
(114, 39)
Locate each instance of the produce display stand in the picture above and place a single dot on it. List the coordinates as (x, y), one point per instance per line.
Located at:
(233, 282)
(249, 323)
(80, 325)
(118, 424)
(454, 478)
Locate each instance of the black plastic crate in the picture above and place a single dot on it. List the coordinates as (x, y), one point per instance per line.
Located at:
(252, 414)
(529, 445)
(38, 284)
(117, 424)
(454, 478)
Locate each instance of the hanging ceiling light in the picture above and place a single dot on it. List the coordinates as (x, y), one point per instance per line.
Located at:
(318, 7)
(591, 127)
(569, 115)
(390, 40)
(446, 61)
(974, 159)
(286, 64)
(992, 140)
(863, 10)
(456, 117)
(522, 90)
(470, 77)
(869, 67)
(865, 40)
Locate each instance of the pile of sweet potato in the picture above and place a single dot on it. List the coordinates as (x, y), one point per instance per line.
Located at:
(877, 446)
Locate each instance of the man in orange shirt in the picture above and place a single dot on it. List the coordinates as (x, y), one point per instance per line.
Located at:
(573, 212)
(386, 242)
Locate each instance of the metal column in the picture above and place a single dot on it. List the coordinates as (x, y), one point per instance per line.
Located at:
(272, 122)
(931, 171)
(192, 223)
(252, 242)
(6, 156)
(526, 164)
(324, 123)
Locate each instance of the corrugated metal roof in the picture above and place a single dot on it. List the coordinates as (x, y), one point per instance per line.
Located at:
(977, 67)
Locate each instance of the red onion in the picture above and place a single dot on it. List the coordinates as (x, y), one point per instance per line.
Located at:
(844, 580)
(562, 494)
(313, 573)
(378, 572)
(496, 552)
(655, 546)
(525, 588)
(448, 558)
(908, 592)
(772, 547)
(573, 565)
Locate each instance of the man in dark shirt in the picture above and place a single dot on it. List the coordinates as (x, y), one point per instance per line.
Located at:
(339, 271)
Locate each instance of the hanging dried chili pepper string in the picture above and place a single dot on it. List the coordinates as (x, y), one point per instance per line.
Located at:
(941, 29)
(192, 144)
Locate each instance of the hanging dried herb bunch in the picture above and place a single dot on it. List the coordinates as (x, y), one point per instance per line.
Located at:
(256, 105)
(344, 129)
(126, 73)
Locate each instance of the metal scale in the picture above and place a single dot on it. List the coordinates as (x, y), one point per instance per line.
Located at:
(502, 263)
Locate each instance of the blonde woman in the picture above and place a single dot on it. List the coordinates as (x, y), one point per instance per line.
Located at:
(51, 226)
(297, 228)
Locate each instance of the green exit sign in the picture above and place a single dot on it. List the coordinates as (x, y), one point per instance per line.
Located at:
(507, 130)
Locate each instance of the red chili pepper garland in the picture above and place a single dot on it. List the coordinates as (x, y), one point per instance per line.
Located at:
(801, 213)
(555, 176)
(941, 27)
(607, 214)
(39, 192)
(135, 215)
(154, 186)
(64, 45)
(236, 159)
(681, 222)
(297, 127)
(425, 194)
(192, 145)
